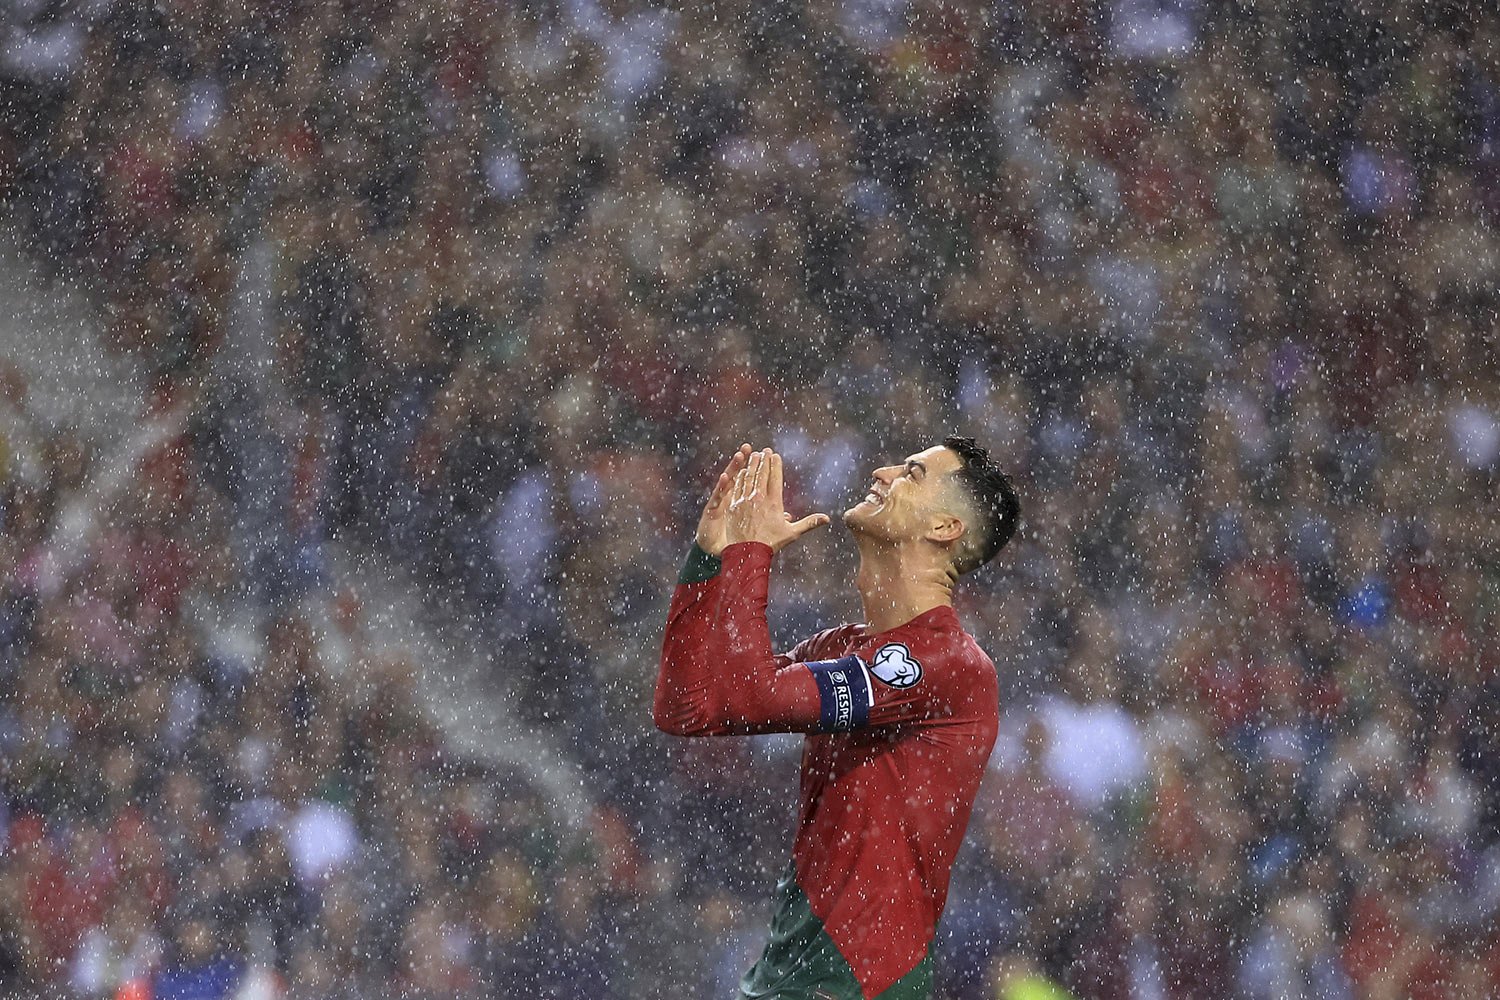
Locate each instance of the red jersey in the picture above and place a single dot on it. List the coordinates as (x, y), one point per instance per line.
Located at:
(900, 726)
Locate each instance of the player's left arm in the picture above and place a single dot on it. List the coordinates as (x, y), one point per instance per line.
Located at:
(718, 673)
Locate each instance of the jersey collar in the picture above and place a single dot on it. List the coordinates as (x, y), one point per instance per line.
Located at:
(939, 619)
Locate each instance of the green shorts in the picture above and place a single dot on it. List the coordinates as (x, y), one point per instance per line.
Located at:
(801, 962)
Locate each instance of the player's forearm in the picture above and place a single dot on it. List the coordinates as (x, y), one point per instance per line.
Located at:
(718, 672)
(685, 674)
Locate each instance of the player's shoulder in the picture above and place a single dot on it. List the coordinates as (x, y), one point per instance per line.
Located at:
(940, 631)
(934, 639)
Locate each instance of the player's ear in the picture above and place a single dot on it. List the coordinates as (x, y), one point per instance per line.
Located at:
(945, 528)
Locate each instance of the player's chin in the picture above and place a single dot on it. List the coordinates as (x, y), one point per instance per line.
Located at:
(860, 514)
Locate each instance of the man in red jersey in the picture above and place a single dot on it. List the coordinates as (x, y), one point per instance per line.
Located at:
(900, 712)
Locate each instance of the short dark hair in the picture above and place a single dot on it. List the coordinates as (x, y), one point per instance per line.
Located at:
(995, 502)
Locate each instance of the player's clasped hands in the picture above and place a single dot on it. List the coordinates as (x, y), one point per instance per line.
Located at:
(746, 506)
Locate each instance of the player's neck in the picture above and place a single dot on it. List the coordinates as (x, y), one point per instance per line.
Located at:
(897, 583)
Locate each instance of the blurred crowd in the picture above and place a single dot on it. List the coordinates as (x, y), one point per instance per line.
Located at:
(494, 287)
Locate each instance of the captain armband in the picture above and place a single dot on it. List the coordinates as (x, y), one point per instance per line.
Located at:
(844, 693)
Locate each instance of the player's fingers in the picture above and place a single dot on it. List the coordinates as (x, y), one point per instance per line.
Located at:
(721, 487)
(733, 465)
(725, 484)
(738, 459)
(763, 470)
(808, 523)
(720, 491)
(773, 480)
(752, 472)
(741, 481)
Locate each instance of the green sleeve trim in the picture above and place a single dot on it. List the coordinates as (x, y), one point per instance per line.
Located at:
(699, 566)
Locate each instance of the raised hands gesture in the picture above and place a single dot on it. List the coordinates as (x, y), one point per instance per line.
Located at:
(746, 506)
(714, 522)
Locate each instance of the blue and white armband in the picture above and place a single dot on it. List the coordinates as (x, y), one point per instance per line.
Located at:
(844, 693)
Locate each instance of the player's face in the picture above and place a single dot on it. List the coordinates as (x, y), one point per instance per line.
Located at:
(902, 499)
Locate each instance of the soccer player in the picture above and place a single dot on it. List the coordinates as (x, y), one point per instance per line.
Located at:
(901, 712)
